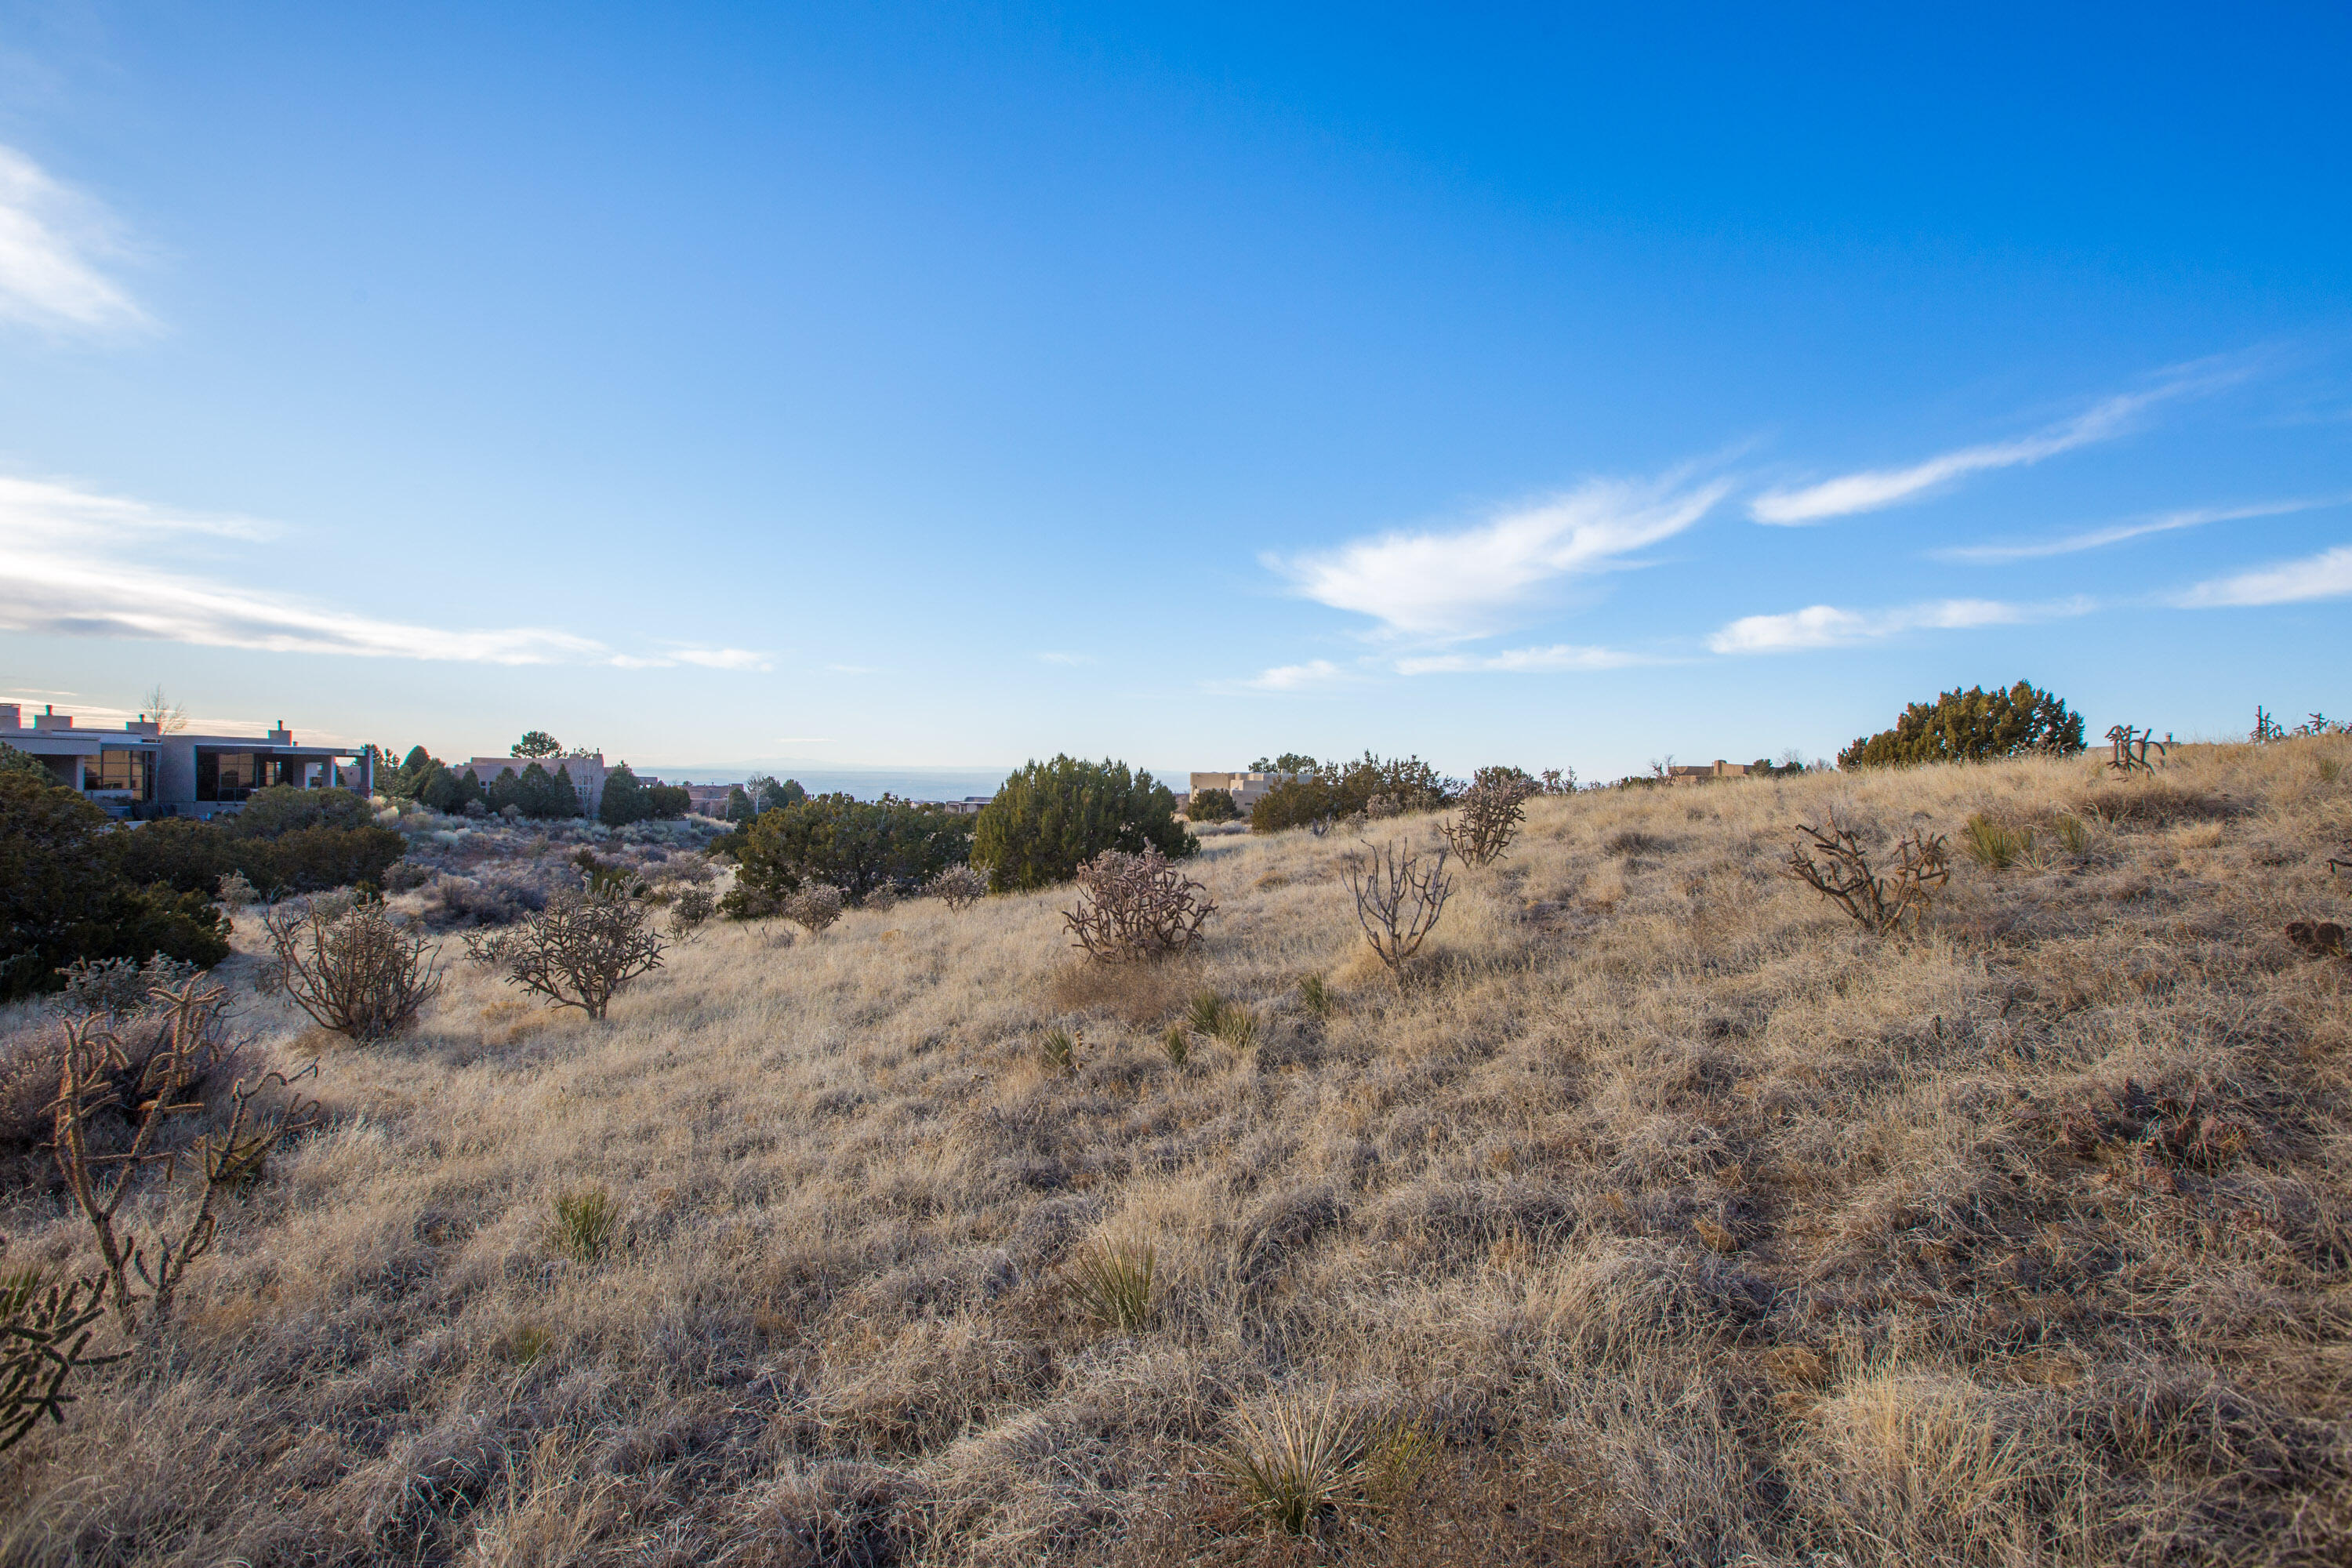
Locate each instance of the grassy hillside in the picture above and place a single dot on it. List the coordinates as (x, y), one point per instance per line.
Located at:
(1667, 1217)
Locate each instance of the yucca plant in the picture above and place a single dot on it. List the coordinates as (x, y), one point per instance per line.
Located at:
(1178, 1043)
(1060, 1049)
(2074, 835)
(587, 1222)
(1112, 1285)
(1989, 843)
(1298, 1462)
(1228, 1023)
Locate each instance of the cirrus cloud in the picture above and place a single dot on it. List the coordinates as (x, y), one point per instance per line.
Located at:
(1827, 626)
(53, 240)
(2327, 575)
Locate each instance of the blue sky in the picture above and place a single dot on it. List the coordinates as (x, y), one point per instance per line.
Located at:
(931, 386)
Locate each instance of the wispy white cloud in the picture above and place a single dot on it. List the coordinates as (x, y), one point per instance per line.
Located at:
(2327, 575)
(1872, 489)
(1995, 555)
(1056, 656)
(1471, 581)
(53, 240)
(1558, 657)
(851, 668)
(1298, 676)
(723, 658)
(77, 562)
(1826, 626)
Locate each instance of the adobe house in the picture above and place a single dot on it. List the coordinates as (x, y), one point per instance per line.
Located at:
(139, 772)
(1247, 789)
(1704, 775)
(587, 774)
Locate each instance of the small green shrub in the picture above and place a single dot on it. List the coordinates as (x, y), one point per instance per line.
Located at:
(1112, 1285)
(1316, 995)
(1211, 806)
(1060, 1050)
(587, 1222)
(1994, 845)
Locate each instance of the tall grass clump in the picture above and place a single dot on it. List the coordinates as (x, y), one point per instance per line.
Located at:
(587, 1222)
(1297, 1462)
(1112, 1284)
(1995, 845)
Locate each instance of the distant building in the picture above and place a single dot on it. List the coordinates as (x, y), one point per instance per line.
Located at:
(1247, 789)
(587, 774)
(1708, 774)
(139, 772)
(709, 800)
(969, 806)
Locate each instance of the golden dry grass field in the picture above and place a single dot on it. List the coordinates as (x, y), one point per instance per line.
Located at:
(1667, 1217)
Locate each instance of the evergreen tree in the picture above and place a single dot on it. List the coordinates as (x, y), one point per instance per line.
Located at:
(1050, 818)
(1975, 725)
(624, 799)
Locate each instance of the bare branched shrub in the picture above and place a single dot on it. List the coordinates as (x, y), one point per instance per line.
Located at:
(89, 1085)
(1835, 866)
(1398, 902)
(1136, 907)
(689, 910)
(364, 973)
(234, 891)
(882, 899)
(958, 887)
(2128, 749)
(44, 1330)
(577, 952)
(813, 908)
(1112, 1286)
(1486, 818)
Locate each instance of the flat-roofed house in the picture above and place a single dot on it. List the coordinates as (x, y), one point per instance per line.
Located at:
(139, 772)
(1247, 789)
(587, 774)
(1701, 773)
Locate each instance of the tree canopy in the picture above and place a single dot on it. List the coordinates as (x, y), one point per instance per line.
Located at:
(1050, 818)
(1975, 725)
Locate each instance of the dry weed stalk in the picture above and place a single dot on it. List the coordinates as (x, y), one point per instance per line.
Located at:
(1487, 818)
(1842, 874)
(1398, 903)
(360, 971)
(89, 1083)
(45, 1330)
(578, 951)
(1136, 907)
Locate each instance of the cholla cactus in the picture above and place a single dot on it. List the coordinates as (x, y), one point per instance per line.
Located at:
(815, 907)
(958, 887)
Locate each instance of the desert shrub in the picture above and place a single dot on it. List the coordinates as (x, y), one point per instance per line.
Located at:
(813, 908)
(853, 844)
(1488, 814)
(234, 891)
(689, 910)
(1332, 792)
(1995, 845)
(578, 951)
(190, 857)
(1112, 1285)
(958, 887)
(668, 802)
(1136, 907)
(282, 808)
(1974, 725)
(119, 986)
(587, 1222)
(65, 894)
(1051, 818)
(1831, 860)
(1211, 806)
(363, 972)
(1399, 901)
(882, 899)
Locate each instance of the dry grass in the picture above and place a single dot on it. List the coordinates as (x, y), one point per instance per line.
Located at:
(1686, 1222)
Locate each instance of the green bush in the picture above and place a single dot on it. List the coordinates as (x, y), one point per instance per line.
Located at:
(855, 845)
(1211, 806)
(669, 802)
(1974, 725)
(1050, 818)
(64, 895)
(624, 799)
(190, 857)
(534, 792)
(1328, 791)
(282, 809)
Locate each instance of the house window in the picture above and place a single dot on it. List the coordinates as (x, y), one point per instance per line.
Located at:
(120, 768)
(226, 775)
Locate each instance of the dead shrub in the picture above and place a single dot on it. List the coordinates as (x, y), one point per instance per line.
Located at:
(579, 952)
(2184, 1127)
(958, 887)
(1835, 866)
(1135, 908)
(363, 972)
(1398, 902)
